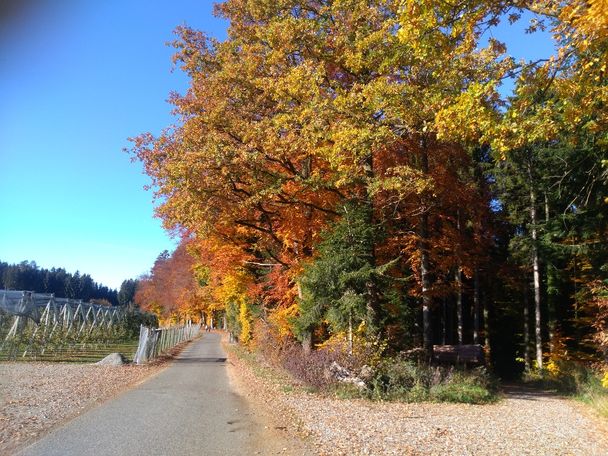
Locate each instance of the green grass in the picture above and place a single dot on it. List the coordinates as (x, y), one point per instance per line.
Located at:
(576, 381)
(347, 391)
(593, 394)
(77, 353)
(464, 393)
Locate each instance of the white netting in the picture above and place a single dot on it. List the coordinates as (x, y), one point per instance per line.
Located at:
(38, 325)
(33, 305)
(23, 303)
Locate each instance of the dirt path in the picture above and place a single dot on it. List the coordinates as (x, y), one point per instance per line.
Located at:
(525, 422)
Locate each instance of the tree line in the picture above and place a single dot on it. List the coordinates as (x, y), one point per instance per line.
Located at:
(30, 277)
(346, 169)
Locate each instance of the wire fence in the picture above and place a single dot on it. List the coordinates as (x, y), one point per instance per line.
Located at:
(39, 326)
(155, 341)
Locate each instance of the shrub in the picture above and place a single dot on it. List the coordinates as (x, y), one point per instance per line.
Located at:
(464, 388)
(565, 376)
(286, 353)
(396, 377)
(591, 389)
(310, 369)
(399, 378)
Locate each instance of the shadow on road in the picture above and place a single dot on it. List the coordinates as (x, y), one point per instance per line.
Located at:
(200, 360)
(516, 391)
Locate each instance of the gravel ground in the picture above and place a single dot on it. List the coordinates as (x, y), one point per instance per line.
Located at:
(35, 397)
(525, 422)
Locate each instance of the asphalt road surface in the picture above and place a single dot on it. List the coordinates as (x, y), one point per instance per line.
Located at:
(187, 409)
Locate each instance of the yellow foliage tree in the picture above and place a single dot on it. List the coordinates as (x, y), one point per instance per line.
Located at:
(245, 323)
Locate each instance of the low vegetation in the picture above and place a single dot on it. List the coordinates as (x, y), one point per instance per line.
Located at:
(575, 379)
(38, 342)
(406, 380)
(372, 375)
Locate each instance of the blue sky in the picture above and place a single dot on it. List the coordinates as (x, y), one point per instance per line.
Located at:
(77, 78)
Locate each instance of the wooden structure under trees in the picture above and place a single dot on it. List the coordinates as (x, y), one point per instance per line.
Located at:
(467, 354)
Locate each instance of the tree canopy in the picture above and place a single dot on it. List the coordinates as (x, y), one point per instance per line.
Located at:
(344, 162)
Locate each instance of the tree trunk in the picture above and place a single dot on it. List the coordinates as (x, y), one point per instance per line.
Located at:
(427, 330)
(527, 354)
(536, 276)
(373, 299)
(306, 171)
(350, 332)
(486, 330)
(459, 315)
(444, 320)
(459, 306)
(307, 336)
(308, 211)
(551, 278)
(476, 307)
(307, 343)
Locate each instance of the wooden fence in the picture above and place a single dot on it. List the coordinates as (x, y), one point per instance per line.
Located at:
(155, 341)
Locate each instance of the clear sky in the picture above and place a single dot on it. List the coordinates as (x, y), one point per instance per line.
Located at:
(77, 78)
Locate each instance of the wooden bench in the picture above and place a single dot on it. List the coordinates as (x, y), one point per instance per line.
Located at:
(469, 355)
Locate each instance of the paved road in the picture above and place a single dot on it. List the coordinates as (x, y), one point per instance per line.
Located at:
(187, 409)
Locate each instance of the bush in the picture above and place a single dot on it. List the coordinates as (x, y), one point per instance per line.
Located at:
(594, 393)
(309, 369)
(563, 375)
(464, 389)
(134, 318)
(289, 355)
(399, 378)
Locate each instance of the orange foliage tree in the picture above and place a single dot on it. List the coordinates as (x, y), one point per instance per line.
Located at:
(308, 107)
(171, 290)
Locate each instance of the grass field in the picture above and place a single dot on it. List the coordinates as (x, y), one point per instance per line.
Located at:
(77, 353)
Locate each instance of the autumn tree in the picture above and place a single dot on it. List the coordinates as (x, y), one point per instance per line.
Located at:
(394, 109)
(170, 290)
(309, 105)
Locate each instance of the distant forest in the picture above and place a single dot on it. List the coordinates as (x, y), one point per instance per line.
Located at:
(28, 276)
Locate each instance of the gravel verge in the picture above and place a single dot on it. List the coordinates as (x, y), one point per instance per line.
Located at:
(283, 433)
(524, 422)
(35, 397)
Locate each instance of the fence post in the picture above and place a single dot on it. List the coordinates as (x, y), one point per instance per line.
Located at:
(154, 341)
(139, 357)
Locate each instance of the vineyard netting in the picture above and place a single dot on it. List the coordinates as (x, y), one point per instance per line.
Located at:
(42, 327)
